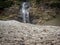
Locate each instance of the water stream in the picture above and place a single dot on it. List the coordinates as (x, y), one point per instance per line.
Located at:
(25, 12)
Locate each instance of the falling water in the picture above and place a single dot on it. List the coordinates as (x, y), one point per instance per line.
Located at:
(25, 12)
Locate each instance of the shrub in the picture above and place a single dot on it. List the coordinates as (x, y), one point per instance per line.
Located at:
(5, 3)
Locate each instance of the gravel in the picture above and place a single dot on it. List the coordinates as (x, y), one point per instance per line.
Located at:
(16, 33)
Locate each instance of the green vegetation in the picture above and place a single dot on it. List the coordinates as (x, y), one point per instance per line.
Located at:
(5, 3)
(8, 3)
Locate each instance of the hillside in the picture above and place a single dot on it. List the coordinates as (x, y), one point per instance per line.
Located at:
(42, 12)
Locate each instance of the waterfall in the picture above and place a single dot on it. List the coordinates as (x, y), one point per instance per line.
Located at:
(25, 12)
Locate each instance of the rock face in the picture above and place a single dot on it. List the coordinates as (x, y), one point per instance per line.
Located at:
(16, 33)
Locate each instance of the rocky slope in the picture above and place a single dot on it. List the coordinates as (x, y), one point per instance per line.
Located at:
(16, 33)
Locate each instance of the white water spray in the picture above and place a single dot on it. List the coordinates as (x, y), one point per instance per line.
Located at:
(25, 12)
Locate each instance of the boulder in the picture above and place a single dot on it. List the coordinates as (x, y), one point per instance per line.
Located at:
(17, 33)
